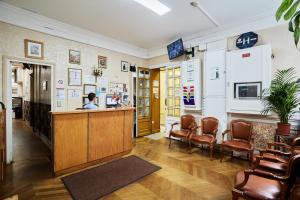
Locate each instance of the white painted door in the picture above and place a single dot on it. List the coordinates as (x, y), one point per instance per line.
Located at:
(214, 90)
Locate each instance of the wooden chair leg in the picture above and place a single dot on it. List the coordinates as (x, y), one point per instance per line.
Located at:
(250, 158)
(221, 153)
(211, 150)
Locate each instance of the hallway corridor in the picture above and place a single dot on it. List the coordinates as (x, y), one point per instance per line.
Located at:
(31, 161)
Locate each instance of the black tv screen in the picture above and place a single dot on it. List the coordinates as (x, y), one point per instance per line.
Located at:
(175, 49)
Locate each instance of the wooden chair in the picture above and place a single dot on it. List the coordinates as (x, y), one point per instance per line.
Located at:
(261, 185)
(187, 122)
(275, 160)
(209, 129)
(241, 138)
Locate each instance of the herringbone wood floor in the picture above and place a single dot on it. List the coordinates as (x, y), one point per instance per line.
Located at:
(183, 176)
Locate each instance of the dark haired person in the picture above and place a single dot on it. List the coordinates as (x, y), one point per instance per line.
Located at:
(92, 102)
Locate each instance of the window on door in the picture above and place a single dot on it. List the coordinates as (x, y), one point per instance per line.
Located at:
(173, 91)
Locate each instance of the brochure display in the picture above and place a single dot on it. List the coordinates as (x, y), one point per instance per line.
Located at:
(191, 85)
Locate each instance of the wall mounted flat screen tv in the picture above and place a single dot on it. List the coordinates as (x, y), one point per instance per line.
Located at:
(175, 49)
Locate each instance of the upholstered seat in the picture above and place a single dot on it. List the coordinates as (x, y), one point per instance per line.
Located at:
(258, 187)
(237, 145)
(202, 138)
(180, 133)
(261, 185)
(208, 131)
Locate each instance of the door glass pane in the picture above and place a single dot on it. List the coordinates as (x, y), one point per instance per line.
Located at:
(177, 102)
(170, 101)
(170, 111)
(170, 82)
(170, 91)
(176, 112)
(177, 72)
(177, 82)
(170, 73)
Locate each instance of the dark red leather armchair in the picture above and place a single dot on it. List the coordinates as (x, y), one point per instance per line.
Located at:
(241, 138)
(261, 185)
(187, 123)
(276, 161)
(209, 129)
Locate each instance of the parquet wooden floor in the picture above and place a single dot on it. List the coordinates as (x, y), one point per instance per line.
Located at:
(183, 176)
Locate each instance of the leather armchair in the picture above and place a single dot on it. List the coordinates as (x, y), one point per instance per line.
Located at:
(187, 123)
(241, 138)
(209, 129)
(261, 185)
(275, 160)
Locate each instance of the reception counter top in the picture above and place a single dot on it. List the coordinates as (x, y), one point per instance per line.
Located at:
(85, 137)
(91, 110)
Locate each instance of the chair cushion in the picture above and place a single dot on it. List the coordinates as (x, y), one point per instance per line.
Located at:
(282, 167)
(258, 187)
(238, 145)
(203, 139)
(275, 157)
(180, 133)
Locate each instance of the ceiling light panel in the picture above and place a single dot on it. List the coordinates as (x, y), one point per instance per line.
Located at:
(154, 5)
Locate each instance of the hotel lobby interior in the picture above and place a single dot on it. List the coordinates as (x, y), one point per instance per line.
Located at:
(149, 99)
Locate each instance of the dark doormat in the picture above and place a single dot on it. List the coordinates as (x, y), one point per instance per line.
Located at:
(97, 182)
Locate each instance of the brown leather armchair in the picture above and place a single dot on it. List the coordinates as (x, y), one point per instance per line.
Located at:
(261, 185)
(241, 138)
(209, 129)
(187, 122)
(275, 160)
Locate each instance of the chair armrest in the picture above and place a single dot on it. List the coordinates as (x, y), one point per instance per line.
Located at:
(172, 126)
(277, 152)
(278, 144)
(264, 174)
(224, 133)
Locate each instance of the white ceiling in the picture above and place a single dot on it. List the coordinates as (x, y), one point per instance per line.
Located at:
(128, 21)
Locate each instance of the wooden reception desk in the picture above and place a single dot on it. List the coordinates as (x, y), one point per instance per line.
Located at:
(86, 137)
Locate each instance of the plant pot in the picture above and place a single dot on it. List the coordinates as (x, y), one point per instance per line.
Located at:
(283, 128)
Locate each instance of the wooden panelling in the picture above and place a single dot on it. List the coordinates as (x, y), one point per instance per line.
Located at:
(128, 123)
(106, 131)
(155, 100)
(70, 141)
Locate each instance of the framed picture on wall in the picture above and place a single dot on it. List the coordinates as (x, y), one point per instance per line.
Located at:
(102, 62)
(89, 88)
(74, 57)
(74, 77)
(34, 49)
(124, 66)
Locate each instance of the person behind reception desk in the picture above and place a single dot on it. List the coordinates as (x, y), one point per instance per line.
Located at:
(92, 100)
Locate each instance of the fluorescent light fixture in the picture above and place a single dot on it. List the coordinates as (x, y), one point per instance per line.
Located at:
(154, 5)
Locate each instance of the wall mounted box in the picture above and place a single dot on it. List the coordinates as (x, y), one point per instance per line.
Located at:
(248, 71)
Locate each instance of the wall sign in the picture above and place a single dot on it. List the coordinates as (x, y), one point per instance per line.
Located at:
(246, 40)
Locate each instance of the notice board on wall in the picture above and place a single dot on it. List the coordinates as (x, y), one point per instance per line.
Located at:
(191, 84)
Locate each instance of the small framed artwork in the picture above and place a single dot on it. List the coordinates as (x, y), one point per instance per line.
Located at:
(124, 66)
(74, 57)
(74, 77)
(34, 49)
(89, 88)
(102, 62)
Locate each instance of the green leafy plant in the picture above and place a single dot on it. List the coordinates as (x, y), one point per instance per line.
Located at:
(281, 97)
(289, 10)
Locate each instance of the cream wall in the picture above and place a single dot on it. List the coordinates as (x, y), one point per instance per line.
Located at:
(56, 50)
(283, 48)
(281, 40)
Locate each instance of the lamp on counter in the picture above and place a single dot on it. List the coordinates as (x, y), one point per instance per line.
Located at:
(98, 71)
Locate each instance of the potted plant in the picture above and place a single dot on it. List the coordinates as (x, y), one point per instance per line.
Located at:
(281, 98)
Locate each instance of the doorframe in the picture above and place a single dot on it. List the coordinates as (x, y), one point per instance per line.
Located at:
(7, 95)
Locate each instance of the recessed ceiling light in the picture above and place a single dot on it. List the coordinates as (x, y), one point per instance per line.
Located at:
(154, 5)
